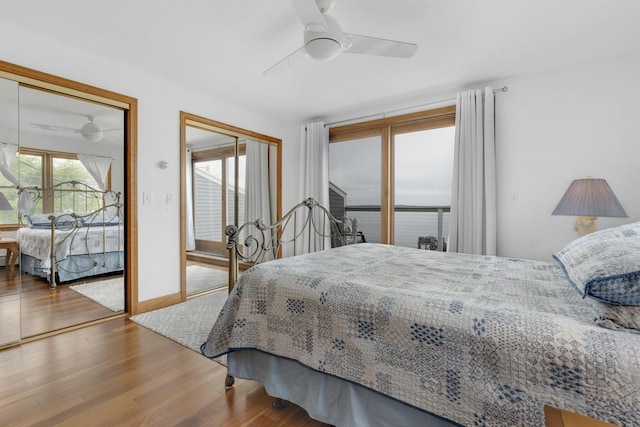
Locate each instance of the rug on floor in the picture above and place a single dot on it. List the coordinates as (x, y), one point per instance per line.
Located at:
(110, 293)
(187, 323)
(201, 278)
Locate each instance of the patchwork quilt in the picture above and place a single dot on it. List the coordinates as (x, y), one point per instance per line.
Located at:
(90, 240)
(478, 340)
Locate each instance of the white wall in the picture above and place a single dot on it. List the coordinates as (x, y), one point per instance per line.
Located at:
(559, 126)
(159, 104)
(552, 128)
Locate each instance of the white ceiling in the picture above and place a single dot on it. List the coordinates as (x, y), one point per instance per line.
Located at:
(45, 115)
(223, 47)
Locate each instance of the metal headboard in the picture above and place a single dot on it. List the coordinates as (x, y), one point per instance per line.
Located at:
(74, 222)
(307, 227)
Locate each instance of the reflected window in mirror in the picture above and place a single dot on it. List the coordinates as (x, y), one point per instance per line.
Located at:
(218, 185)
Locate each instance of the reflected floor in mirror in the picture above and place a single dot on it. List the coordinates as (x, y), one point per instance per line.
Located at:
(45, 309)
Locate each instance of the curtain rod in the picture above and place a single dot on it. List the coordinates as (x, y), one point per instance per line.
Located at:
(384, 114)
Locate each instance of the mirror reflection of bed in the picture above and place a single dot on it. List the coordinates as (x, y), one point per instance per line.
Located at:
(68, 164)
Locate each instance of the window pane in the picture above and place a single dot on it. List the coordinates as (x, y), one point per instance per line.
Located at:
(355, 178)
(423, 174)
(29, 169)
(9, 203)
(207, 200)
(65, 170)
(8, 206)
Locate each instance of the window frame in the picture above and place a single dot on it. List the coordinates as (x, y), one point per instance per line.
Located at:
(387, 128)
(46, 180)
(223, 154)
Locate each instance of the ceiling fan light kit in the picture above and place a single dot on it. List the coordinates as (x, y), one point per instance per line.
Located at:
(91, 132)
(323, 49)
(324, 39)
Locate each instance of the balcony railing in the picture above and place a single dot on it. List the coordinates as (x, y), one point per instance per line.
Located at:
(351, 211)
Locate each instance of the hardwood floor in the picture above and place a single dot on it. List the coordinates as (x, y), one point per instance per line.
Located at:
(116, 372)
(29, 307)
(119, 373)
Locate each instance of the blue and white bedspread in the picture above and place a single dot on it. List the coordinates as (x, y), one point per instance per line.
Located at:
(478, 340)
(82, 241)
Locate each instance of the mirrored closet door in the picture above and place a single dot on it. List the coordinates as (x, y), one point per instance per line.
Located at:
(229, 176)
(70, 160)
(64, 215)
(10, 278)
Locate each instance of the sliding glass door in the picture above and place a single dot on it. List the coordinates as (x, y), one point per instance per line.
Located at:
(423, 166)
(214, 185)
(394, 175)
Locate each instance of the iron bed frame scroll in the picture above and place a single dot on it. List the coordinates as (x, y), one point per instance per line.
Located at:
(308, 227)
(77, 223)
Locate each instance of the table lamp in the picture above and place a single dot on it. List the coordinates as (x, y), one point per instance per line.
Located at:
(589, 199)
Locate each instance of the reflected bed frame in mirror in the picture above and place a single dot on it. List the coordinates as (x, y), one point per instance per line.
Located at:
(71, 229)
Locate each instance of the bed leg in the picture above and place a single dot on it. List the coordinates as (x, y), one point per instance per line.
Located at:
(277, 403)
(228, 382)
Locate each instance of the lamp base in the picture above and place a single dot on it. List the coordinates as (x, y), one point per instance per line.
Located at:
(585, 225)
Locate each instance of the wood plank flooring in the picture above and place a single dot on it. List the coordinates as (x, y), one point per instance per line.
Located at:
(119, 373)
(29, 307)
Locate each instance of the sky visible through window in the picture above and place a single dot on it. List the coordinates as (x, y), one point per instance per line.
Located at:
(423, 167)
(423, 170)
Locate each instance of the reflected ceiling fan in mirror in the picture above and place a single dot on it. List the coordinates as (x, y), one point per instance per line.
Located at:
(324, 39)
(90, 131)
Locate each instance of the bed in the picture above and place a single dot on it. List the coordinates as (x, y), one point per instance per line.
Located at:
(377, 335)
(73, 243)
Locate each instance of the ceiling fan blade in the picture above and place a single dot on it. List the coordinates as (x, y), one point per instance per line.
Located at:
(381, 47)
(54, 128)
(111, 140)
(310, 15)
(293, 58)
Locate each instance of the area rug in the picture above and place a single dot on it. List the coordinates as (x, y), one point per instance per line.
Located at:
(110, 293)
(201, 278)
(187, 323)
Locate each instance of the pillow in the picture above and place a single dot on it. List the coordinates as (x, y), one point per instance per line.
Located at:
(108, 216)
(43, 221)
(621, 318)
(605, 264)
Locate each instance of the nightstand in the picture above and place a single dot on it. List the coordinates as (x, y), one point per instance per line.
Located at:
(11, 246)
(560, 418)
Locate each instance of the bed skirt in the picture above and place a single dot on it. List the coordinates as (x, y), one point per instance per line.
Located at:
(326, 398)
(113, 262)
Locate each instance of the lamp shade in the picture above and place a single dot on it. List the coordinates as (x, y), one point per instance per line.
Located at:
(590, 197)
(4, 203)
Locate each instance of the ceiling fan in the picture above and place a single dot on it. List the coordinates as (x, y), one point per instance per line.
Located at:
(90, 131)
(324, 39)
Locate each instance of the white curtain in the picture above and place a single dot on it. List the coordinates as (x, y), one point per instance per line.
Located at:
(314, 168)
(257, 202)
(190, 228)
(7, 154)
(98, 168)
(314, 163)
(473, 196)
